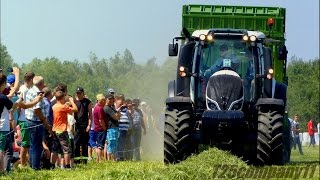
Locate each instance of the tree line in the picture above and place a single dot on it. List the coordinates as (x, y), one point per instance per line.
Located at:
(148, 81)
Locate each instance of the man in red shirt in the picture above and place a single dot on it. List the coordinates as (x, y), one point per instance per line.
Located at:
(311, 131)
(100, 122)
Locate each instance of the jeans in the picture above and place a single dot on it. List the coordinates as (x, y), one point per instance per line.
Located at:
(81, 139)
(136, 143)
(122, 145)
(312, 140)
(297, 142)
(8, 152)
(36, 135)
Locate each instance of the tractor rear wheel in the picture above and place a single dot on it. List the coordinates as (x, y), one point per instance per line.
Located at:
(178, 143)
(270, 137)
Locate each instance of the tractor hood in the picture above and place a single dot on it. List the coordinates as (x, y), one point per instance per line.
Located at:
(224, 91)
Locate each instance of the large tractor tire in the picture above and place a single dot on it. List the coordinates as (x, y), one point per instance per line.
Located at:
(178, 143)
(270, 137)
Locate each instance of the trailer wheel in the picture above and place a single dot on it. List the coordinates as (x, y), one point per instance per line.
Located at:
(178, 143)
(270, 137)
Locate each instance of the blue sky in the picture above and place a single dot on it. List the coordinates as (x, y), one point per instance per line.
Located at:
(71, 29)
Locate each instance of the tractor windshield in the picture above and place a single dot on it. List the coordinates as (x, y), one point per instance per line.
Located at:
(226, 53)
(232, 54)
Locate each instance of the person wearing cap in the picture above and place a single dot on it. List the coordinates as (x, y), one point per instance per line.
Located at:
(13, 95)
(138, 125)
(113, 117)
(36, 121)
(84, 119)
(224, 54)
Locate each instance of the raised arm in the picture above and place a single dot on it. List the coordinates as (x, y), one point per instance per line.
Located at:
(16, 73)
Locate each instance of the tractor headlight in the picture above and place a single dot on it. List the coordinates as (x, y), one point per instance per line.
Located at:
(202, 37)
(245, 38)
(236, 105)
(270, 71)
(253, 38)
(209, 37)
(212, 105)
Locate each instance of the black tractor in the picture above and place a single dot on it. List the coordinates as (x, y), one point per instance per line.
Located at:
(225, 95)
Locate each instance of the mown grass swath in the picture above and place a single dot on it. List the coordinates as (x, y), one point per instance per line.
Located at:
(209, 164)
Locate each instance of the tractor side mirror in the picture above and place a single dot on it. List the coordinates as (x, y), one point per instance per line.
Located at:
(282, 53)
(173, 49)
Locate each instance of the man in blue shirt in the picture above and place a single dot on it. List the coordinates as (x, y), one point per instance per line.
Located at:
(220, 62)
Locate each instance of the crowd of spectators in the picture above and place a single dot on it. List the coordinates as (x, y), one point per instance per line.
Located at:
(50, 128)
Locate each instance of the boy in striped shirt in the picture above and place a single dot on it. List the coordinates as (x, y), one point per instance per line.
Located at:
(124, 123)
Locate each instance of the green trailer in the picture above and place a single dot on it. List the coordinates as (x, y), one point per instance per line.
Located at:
(195, 17)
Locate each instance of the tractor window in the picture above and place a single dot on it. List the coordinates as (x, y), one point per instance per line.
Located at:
(231, 53)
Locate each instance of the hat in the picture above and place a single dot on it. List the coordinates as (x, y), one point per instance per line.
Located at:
(109, 96)
(80, 89)
(136, 101)
(110, 91)
(11, 78)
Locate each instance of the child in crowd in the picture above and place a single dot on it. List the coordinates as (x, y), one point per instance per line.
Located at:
(60, 122)
(70, 129)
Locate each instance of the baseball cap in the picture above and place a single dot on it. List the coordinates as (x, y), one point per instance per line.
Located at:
(109, 96)
(80, 89)
(110, 91)
(11, 78)
(136, 101)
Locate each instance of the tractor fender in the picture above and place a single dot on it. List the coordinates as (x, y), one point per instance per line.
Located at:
(279, 91)
(270, 101)
(178, 99)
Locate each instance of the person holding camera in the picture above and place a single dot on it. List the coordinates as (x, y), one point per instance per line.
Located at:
(124, 124)
(36, 120)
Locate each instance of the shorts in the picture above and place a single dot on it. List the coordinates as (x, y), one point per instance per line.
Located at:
(25, 141)
(3, 140)
(61, 143)
(112, 138)
(92, 139)
(101, 138)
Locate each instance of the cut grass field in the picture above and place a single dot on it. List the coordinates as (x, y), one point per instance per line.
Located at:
(209, 164)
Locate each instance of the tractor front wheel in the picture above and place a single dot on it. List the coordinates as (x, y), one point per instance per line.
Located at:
(178, 143)
(270, 137)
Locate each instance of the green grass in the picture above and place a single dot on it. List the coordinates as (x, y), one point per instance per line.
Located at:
(311, 154)
(202, 166)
